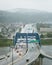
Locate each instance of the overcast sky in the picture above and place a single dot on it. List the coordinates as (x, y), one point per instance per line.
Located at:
(44, 5)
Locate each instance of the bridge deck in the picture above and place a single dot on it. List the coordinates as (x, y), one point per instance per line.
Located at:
(31, 55)
(45, 54)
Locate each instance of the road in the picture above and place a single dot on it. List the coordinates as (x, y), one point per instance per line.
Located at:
(8, 60)
(31, 55)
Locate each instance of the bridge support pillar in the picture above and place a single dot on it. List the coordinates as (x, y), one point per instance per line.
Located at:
(41, 61)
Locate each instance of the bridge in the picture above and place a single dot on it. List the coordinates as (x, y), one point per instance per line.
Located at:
(35, 51)
(34, 48)
(32, 41)
(24, 56)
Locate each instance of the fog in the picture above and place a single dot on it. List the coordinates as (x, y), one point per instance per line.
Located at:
(43, 5)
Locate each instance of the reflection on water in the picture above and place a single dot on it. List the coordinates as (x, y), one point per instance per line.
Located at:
(37, 62)
(47, 61)
(42, 61)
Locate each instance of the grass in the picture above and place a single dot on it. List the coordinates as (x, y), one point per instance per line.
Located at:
(46, 41)
(5, 42)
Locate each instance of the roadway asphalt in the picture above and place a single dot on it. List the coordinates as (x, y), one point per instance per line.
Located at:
(8, 60)
(31, 55)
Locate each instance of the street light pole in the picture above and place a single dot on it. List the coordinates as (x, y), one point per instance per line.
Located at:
(12, 55)
(12, 50)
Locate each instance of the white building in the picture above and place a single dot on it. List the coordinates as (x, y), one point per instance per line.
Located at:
(44, 30)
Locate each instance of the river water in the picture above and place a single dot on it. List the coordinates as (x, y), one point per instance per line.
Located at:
(45, 61)
(4, 50)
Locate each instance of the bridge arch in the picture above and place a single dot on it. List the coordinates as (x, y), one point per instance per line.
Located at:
(26, 36)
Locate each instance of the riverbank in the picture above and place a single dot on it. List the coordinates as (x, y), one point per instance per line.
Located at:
(6, 42)
(9, 42)
(46, 41)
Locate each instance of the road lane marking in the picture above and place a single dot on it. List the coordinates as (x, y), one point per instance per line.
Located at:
(14, 61)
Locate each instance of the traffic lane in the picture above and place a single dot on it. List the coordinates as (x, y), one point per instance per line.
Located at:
(30, 55)
(16, 57)
(9, 60)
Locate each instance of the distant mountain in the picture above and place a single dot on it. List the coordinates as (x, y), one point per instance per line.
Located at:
(22, 10)
(24, 16)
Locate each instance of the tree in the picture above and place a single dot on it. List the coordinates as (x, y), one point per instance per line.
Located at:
(42, 36)
(49, 34)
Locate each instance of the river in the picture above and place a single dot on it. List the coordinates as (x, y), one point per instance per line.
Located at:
(4, 50)
(47, 61)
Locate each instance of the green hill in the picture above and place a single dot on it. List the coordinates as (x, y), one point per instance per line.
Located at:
(25, 16)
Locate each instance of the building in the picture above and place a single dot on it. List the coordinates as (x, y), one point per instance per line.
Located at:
(45, 30)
